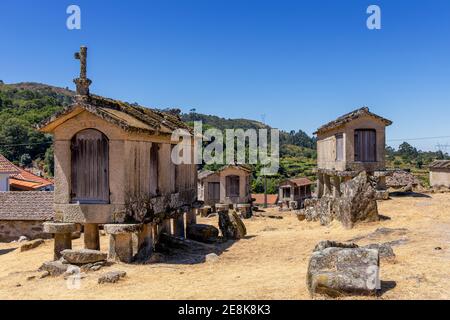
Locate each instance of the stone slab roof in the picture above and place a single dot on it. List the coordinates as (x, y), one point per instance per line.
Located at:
(349, 117)
(6, 166)
(206, 173)
(129, 117)
(26, 205)
(440, 164)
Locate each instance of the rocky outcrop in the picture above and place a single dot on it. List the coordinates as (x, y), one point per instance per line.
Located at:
(335, 269)
(357, 202)
(202, 232)
(231, 225)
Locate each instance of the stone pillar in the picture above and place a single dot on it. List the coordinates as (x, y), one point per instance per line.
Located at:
(220, 207)
(91, 236)
(336, 180)
(191, 217)
(245, 209)
(121, 241)
(320, 183)
(327, 185)
(63, 236)
(145, 242)
(165, 227)
(178, 226)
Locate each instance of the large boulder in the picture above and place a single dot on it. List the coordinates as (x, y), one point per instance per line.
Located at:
(339, 271)
(231, 225)
(357, 202)
(202, 232)
(83, 256)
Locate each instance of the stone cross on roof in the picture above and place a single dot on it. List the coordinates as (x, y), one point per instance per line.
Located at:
(82, 82)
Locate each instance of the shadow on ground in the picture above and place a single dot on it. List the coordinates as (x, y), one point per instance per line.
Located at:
(386, 286)
(174, 250)
(5, 251)
(409, 194)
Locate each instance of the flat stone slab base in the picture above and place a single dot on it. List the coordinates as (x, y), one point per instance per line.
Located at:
(59, 227)
(83, 256)
(122, 228)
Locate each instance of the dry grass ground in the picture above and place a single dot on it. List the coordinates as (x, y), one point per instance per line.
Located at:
(270, 264)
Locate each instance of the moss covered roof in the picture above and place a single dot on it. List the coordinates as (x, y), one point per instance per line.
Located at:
(129, 117)
(349, 117)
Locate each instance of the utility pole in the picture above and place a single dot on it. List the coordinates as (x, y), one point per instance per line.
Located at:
(263, 118)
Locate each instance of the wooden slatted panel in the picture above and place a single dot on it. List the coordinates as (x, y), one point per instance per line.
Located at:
(339, 147)
(90, 167)
(232, 186)
(365, 145)
(214, 191)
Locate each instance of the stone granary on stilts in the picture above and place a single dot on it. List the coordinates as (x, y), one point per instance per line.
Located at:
(350, 169)
(227, 187)
(352, 143)
(113, 168)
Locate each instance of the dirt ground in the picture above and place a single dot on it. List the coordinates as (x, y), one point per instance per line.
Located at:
(270, 263)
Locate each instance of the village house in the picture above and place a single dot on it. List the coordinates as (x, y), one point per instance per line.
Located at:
(229, 185)
(440, 173)
(6, 170)
(23, 213)
(25, 180)
(113, 167)
(293, 192)
(350, 144)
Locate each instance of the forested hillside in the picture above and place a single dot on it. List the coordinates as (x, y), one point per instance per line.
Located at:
(24, 105)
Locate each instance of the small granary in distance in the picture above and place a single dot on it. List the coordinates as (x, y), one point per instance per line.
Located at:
(440, 173)
(6, 170)
(293, 192)
(113, 166)
(350, 144)
(22, 214)
(229, 185)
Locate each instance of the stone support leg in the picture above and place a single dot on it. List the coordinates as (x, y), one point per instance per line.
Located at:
(336, 180)
(91, 236)
(121, 247)
(63, 241)
(320, 185)
(327, 185)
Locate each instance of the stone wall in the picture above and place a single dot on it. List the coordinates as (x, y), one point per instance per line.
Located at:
(440, 177)
(12, 229)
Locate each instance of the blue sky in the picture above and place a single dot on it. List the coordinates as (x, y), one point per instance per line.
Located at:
(298, 63)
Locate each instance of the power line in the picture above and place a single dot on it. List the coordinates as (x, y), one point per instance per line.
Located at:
(25, 144)
(422, 138)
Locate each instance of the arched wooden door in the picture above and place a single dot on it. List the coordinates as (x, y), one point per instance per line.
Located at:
(90, 167)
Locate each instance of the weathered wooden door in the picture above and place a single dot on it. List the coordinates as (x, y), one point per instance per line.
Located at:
(232, 186)
(214, 191)
(90, 167)
(339, 147)
(365, 145)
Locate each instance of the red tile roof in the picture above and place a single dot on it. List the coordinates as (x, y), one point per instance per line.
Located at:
(25, 180)
(259, 198)
(6, 166)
